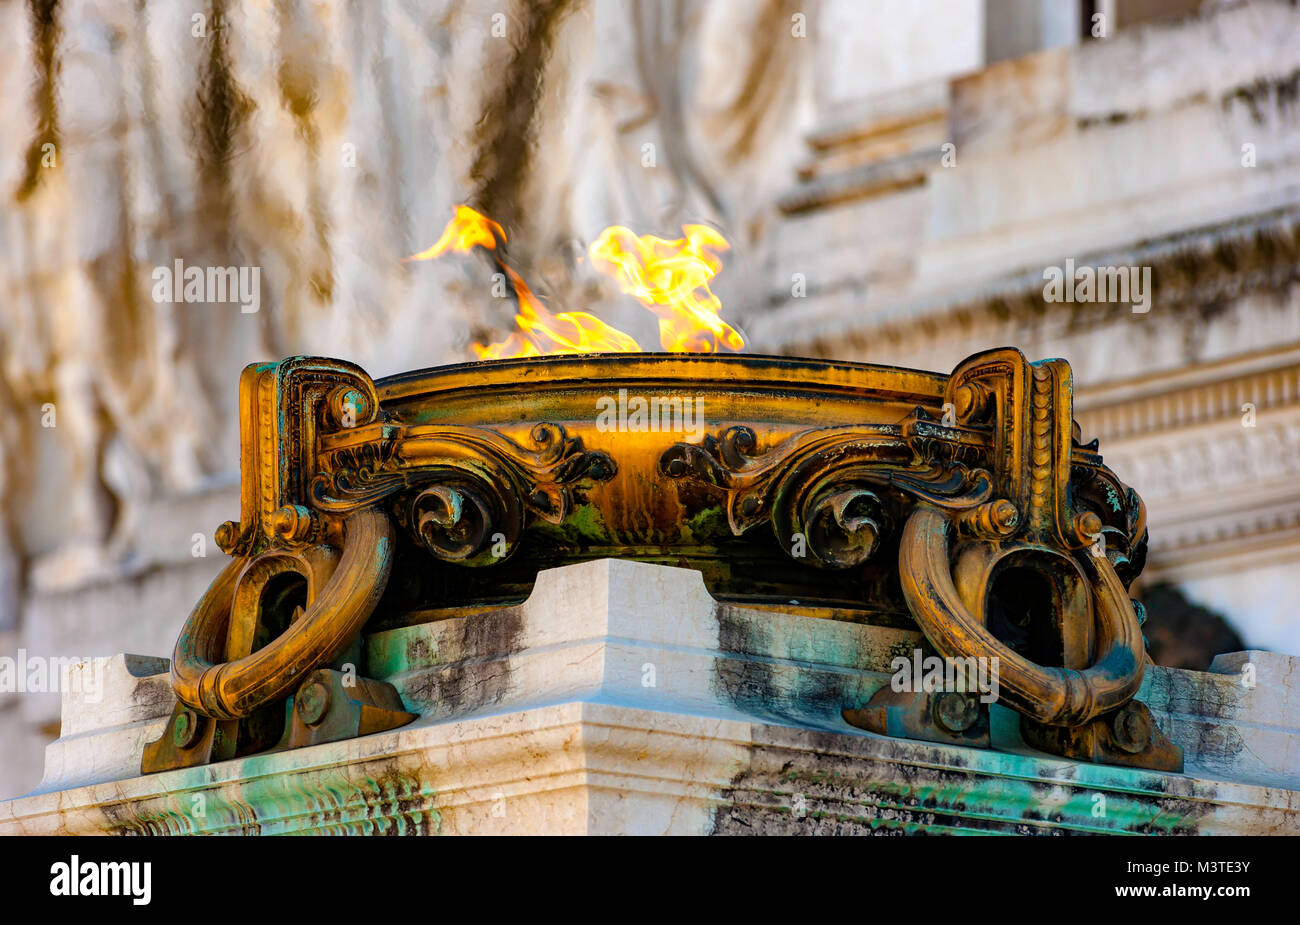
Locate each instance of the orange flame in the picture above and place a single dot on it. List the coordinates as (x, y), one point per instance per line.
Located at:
(539, 331)
(466, 229)
(668, 277)
(671, 278)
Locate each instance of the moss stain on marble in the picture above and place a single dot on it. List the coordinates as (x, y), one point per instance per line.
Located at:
(394, 802)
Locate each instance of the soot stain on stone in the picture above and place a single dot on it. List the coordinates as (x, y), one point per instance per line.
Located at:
(749, 680)
(506, 133)
(224, 110)
(401, 805)
(1279, 94)
(1219, 742)
(46, 32)
(1216, 741)
(744, 682)
(825, 783)
(479, 675)
(824, 791)
(153, 695)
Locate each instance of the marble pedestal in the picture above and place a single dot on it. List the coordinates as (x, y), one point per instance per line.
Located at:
(621, 698)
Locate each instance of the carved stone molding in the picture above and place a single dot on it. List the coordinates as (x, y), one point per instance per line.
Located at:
(1232, 398)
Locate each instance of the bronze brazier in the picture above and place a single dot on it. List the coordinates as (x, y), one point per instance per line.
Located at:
(962, 504)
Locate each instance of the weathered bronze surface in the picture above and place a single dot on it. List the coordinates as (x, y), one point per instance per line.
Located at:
(964, 504)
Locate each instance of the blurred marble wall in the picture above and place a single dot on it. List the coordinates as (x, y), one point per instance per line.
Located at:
(320, 142)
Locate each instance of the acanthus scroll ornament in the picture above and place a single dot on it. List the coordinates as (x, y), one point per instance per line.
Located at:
(324, 470)
(1001, 483)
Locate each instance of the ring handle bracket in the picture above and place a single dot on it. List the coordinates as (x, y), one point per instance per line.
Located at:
(246, 648)
(1078, 700)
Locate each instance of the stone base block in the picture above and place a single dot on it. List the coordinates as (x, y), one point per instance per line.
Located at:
(621, 698)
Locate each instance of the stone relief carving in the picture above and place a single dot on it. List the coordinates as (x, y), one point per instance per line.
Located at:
(321, 144)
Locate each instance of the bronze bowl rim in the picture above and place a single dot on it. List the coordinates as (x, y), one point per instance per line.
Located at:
(708, 370)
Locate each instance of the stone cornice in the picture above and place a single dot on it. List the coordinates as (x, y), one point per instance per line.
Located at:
(594, 768)
(1221, 496)
(1189, 398)
(1190, 269)
(545, 723)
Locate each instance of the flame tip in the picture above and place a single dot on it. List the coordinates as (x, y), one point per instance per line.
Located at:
(669, 277)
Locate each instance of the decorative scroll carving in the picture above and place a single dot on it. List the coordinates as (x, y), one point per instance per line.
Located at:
(452, 523)
(321, 463)
(357, 475)
(1000, 482)
(473, 482)
(284, 408)
(827, 485)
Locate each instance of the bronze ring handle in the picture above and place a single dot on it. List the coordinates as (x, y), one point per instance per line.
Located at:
(232, 690)
(1058, 696)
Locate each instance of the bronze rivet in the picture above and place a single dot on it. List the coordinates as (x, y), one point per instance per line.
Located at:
(312, 702)
(185, 729)
(1132, 728)
(955, 711)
